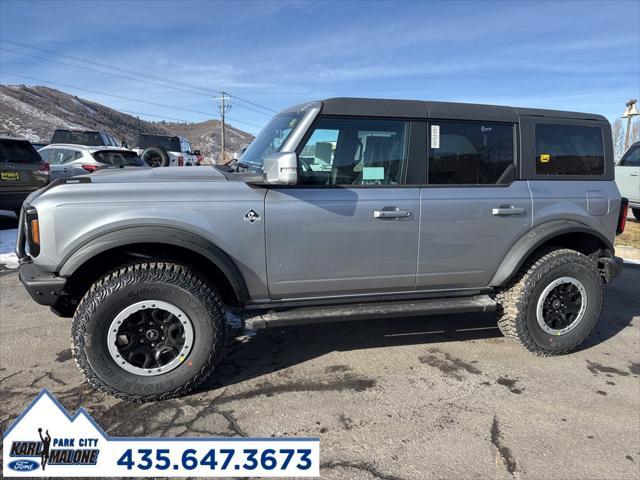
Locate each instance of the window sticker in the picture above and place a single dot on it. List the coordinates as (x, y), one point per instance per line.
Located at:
(373, 173)
(545, 158)
(435, 136)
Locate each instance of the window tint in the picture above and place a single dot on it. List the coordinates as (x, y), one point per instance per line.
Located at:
(124, 158)
(361, 151)
(469, 153)
(58, 156)
(632, 158)
(569, 150)
(18, 151)
(171, 144)
(79, 138)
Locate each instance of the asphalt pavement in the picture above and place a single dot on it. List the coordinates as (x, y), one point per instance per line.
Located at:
(437, 397)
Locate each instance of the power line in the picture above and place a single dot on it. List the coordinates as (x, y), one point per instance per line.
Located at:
(112, 67)
(207, 114)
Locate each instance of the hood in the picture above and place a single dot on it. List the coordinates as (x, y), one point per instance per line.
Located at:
(161, 174)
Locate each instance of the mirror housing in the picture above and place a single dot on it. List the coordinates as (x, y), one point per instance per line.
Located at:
(281, 168)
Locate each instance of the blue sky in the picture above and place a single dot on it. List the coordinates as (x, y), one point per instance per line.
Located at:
(572, 55)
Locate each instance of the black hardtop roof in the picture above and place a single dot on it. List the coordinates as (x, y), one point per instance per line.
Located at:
(443, 110)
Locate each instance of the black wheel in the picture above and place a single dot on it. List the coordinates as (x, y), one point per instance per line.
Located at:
(553, 303)
(148, 331)
(636, 213)
(156, 157)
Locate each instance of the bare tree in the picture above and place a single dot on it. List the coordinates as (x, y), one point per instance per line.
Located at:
(617, 132)
(634, 135)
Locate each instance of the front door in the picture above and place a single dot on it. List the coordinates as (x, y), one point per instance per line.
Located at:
(351, 224)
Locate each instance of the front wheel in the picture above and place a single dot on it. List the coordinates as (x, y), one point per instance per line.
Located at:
(148, 331)
(553, 303)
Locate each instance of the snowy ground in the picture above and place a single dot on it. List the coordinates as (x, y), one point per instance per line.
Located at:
(8, 232)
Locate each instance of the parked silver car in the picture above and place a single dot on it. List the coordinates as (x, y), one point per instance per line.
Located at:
(342, 209)
(68, 160)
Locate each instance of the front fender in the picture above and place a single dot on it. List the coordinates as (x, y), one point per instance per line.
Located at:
(160, 235)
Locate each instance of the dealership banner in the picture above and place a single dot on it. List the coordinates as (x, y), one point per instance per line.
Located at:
(46, 441)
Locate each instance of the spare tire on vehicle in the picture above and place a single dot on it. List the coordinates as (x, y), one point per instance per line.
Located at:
(156, 157)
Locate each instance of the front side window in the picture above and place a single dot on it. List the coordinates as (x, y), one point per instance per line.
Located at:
(632, 158)
(569, 150)
(469, 153)
(355, 151)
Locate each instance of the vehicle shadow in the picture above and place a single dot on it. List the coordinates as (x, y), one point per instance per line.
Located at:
(273, 350)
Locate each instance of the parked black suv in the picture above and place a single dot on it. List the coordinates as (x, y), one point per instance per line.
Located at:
(22, 171)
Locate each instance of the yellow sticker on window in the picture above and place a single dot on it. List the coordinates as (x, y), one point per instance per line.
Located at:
(545, 158)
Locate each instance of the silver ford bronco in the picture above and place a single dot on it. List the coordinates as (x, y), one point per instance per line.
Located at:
(341, 209)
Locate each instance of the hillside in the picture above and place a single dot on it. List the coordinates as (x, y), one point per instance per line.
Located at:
(35, 112)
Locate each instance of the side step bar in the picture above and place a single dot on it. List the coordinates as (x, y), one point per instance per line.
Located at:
(369, 311)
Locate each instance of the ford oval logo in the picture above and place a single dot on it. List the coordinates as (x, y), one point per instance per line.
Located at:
(23, 465)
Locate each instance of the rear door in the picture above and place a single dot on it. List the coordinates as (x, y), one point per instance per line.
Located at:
(60, 162)
(472, 209)
(20, 166)
(350, 226)
(628, 175)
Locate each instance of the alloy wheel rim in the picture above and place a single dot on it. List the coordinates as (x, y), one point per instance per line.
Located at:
(561, 306)
(149, 338)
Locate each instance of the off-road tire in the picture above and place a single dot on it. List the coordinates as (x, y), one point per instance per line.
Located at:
(159, 151)
(517, 302)
(636, 213)
(148, 281)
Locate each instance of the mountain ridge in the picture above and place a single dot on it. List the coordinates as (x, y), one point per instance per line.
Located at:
(34, 112)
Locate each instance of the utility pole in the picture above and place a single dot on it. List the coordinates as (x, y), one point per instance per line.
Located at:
(224, 108)
(629, 113)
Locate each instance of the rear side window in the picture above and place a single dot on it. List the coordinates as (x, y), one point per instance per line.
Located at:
(18, 151)
(569, 150)
(469, 153)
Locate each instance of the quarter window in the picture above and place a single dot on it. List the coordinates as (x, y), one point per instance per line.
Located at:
(469, 153)
(345, 151)
(569, 150)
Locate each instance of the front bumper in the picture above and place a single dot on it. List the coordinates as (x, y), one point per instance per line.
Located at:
(44, 287)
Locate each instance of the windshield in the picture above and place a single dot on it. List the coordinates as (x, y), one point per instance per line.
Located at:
(171, 144)
(270, 139)
(119, 158)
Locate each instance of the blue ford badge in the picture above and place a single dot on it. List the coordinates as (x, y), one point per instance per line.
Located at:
(23, 465)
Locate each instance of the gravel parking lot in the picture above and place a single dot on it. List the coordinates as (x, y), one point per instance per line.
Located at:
(439, 397)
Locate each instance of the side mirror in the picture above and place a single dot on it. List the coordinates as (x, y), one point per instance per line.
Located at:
(125, 145)
(196, 152)
(281, 168)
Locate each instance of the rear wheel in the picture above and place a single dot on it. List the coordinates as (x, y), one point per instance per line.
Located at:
(636, 213)
(553, 303)
(148, 331)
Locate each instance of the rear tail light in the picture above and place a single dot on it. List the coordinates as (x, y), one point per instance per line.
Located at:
(90, 168)
(44, 168)
(622, 216)
(180, 161)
